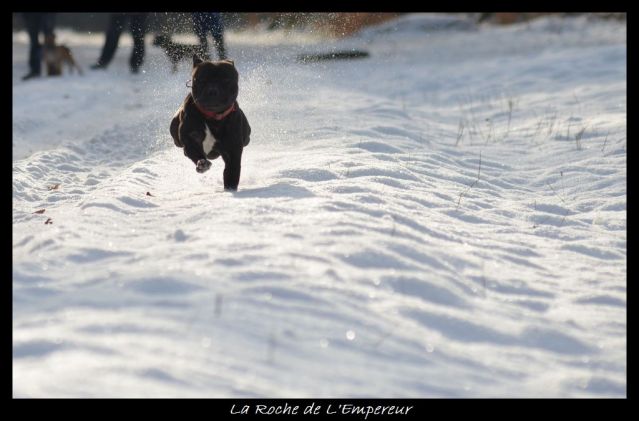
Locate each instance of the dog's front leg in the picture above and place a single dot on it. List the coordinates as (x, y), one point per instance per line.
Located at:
(232, 169)
(194, 150)
(175, 130)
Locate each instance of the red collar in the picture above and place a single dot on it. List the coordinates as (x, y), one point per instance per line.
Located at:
(214, 115)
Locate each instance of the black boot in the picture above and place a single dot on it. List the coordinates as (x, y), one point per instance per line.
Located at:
(30, 75)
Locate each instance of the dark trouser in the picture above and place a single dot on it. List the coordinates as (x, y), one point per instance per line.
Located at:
(204, 23)
(36, 23)
(137, 26)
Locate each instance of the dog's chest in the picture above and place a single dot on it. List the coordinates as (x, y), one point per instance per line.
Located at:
(50, 55)
(209, 140)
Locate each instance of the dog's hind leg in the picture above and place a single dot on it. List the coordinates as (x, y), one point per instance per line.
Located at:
(78, 68)
(72, 66)
(72, 63)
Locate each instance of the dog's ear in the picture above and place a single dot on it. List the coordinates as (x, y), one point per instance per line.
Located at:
(231, 62)
(196, 60)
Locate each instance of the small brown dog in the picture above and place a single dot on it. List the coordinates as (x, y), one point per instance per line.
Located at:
(56, 55)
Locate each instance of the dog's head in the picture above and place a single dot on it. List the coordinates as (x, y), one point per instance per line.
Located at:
(49, 40)
(215, 84)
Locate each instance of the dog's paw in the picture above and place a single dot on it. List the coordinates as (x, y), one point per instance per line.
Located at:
(203, 166)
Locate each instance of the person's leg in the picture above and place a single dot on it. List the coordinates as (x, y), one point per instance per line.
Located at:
(32, 23)
(217, 30)
(116, 26)
(48, 23)
(138, 29)
(200, 28)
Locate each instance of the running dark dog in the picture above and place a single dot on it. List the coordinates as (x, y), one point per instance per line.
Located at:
(210, 122)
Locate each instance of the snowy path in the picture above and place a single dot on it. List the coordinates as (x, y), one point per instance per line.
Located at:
(362, 256)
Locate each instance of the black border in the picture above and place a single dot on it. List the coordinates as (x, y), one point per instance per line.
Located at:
(423, 408)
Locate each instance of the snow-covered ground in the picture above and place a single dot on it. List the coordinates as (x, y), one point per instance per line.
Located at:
(446, 218)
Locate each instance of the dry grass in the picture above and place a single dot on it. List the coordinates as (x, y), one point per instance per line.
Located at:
(472, 185)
